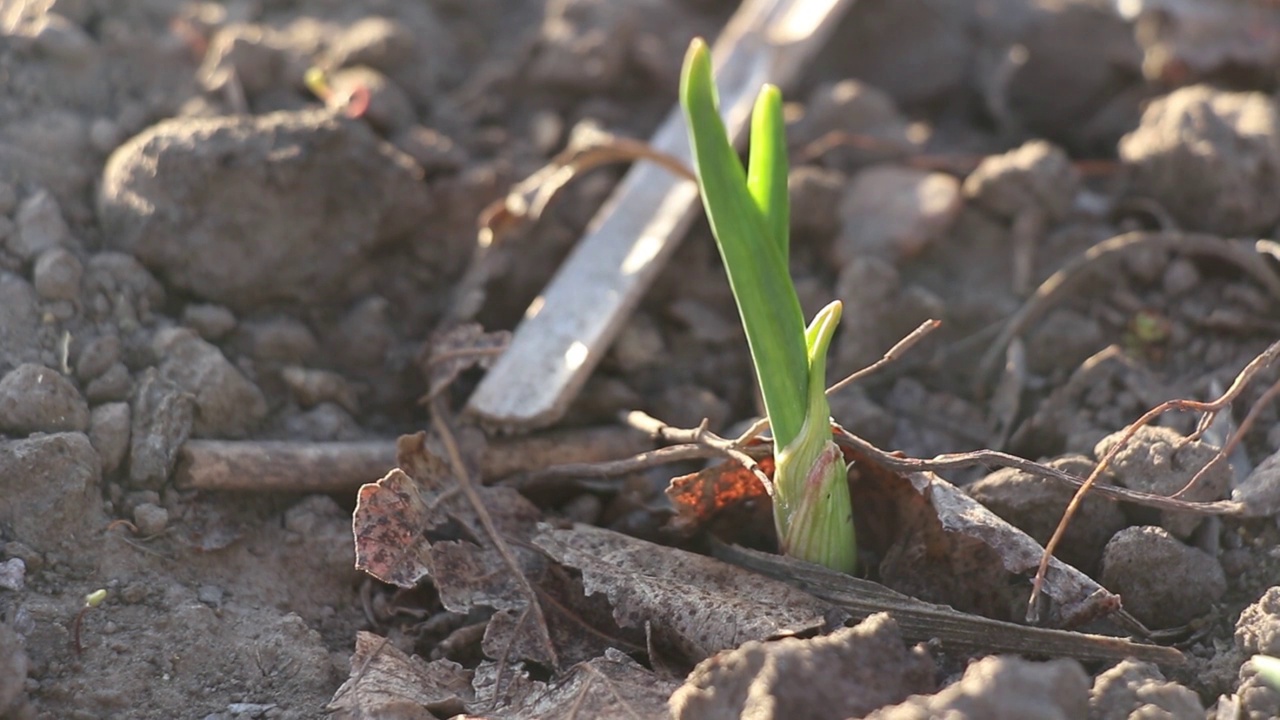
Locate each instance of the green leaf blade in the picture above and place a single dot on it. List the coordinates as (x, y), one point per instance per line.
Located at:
(767, 167)
(754, 260)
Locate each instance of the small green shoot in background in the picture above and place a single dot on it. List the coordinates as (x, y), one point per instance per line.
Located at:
(749, 212)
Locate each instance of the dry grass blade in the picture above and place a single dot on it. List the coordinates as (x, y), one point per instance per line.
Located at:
(923, 622)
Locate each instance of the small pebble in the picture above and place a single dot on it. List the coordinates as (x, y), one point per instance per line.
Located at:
(211, 322)
(40, 226)
(57, 275)
(1180, 276)
(210, 595)
(13, 574)
(150, 519)
(8, 198)
(109, 433)
(113, 385)
(97, 357)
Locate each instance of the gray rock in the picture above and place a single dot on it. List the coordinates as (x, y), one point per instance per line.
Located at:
(815, 198)
(109, 434)
(845, 674)
(1036, 176)
(13, 574)
(1003, 688)
(120, 290)
(1260, 492)
(40, 226)
(895, 212)
(34, 398)
(1134, 689)
(13, 673)
(303, 198)
(1162, 582)
(150, 519)
(853, 107)
(49, 491)
(212, 322)
(19, 322)
(97, 356)
(1035, 505)
(162, 418)
(1258, 629)
(1158, 460)
(915, 50)
(1210, 158)
(113, 385)
(227, 404)
(57, 275)
(276, 340)
(311, 387)
(8, 197)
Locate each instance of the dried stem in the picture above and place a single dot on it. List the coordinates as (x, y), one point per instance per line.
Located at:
(1210, 410)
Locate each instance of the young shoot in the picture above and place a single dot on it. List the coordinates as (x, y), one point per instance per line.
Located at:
(749, 213)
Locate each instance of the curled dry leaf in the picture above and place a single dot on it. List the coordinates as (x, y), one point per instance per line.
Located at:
(416, 523)
(698, 604)
(610, 686)
(846, 674)
(387, 683)
(726, 500)
(458, 349)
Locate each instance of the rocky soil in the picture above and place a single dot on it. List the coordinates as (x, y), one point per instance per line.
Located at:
(199, 241)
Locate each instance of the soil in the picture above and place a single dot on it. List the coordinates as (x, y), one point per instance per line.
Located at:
(198, 244)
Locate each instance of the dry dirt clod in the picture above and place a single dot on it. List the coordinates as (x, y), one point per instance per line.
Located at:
(1163, 583)
(1258, 629)
(304, 198)
(895, 213)
(1135, 689)
(1158, 460)
(1003, 688)
(1037, 175)
(1210, 158)
(1035, 505)
(846, 674)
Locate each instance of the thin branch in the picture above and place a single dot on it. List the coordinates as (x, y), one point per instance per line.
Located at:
(467, 485)
(892, 355)
(698, 436)
(1211, 409)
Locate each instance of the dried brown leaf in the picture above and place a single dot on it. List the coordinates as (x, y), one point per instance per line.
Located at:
(726, 500)
(387, 683)
(415, 523)
(459, 349)
(612, 686)
(699, 604)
